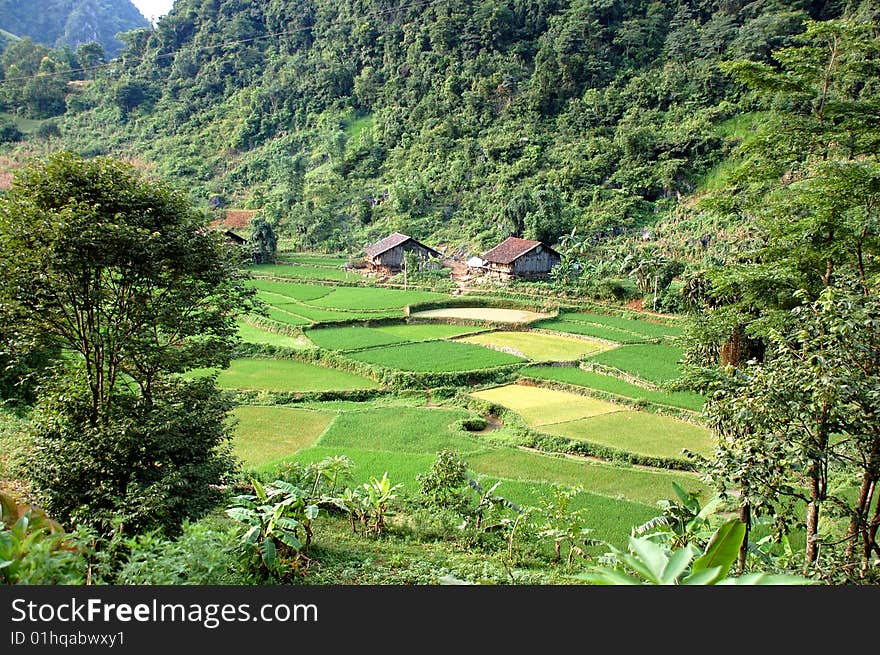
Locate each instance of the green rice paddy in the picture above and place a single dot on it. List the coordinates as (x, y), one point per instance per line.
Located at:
(357, 337)
(288, 375)
(656, 363)
(300, 272)
(401, 430)
(253, 334)
(538, 347)
(639, 327)
(616, 386)
(264, 435)
(642, 433)
(436, 356)
(367, 298)
(539, 406)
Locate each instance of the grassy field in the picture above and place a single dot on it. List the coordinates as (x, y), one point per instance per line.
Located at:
(642, 433)
(264, 435)
(437, 356)
(538, 347)
(642, 328)
(300, 272)
(616, 386)
(356, 337)
(401, 430)
(371, 298)
(252, 334)
(653, 362)
(288, 375)
(488, 314)
(631, 483)
(540, 406)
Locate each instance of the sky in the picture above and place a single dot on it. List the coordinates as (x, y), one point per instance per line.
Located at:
(153, 8)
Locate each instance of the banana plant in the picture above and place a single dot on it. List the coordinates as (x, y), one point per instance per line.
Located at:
(682, 522)
(651, 563)
(377, 494)
(278, 525)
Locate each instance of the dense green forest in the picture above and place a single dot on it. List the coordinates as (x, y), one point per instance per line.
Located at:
(463, 122)
(59, 23)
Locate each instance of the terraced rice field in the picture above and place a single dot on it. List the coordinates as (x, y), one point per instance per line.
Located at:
(610, 384)
(638, 327)
(596, 421)
(264, 435)
(401, 430)
(539, 406)
(300, 272)
(636, 432)
(357, 337)
(290, 291)
(587, 330)
(253, 334)
(360, 298)
(537, 346)
(657, 363)
(488, 314)
(436, 356)
(299, 304)
(636, 484)
(288, 375)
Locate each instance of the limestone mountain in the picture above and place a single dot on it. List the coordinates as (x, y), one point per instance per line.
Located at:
(57, 23)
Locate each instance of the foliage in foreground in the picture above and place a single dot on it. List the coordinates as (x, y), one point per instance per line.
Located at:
(648, 562)
(34, 549)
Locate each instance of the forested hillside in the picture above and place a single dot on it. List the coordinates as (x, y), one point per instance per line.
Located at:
(58, 23)
(463, 122)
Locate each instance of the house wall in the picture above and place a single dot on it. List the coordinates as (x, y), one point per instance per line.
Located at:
(392, 260)
(532, 264)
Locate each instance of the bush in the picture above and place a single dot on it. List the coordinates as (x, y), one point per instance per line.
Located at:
(9, 132)
(204, 554)
(620, 289)
(34, 550)
(146, 465)
(48, 129)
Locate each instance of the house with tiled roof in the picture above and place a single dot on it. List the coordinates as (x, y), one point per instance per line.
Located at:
(387, 255)
(522, 258)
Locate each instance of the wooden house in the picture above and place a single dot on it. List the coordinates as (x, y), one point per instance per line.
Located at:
(521, 258)
(386, 256)
(233, 238)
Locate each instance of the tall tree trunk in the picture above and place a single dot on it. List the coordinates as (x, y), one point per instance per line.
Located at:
(870, 539)
(813, 517)
(857, 523)
(732, 350)
(745, 515)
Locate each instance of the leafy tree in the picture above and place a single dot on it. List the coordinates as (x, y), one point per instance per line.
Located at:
(90, 56)
(263, 241)
(809, 185)
(789, 425)
(121, 274)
